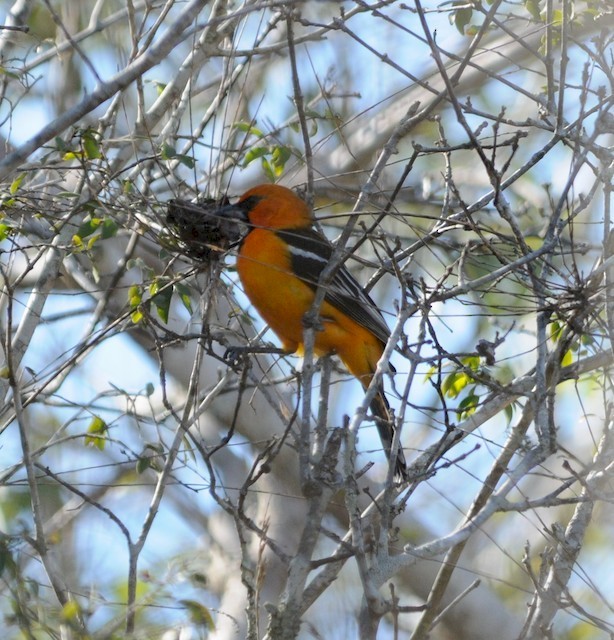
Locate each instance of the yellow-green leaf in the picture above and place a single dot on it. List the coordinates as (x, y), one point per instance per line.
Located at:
(70, 611)
(455, 383)
(16, 184)
(162, 301)
(468, 406)
(97, 429)
(532, 6)
(91, 146)
(461, 17)
(134, 295)
(567, 358)
(184, 294)
(199, 614)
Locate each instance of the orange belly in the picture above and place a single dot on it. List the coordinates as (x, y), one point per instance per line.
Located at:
(283, 299)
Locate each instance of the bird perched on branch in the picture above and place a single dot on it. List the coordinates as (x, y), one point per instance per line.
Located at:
(279, 263)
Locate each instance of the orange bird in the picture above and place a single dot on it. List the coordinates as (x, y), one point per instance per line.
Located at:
(279, 263)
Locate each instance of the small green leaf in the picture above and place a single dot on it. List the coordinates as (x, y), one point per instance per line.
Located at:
(61, 146)
(555, 331)
(135, 295)
(247, 127)
(199, 614)
(567, 358)
(185, 295)
(557, 17)
(461, 16)
(280, 156)
(454, 383)
(88, 226)
(70, 611)
(167, 151)
(255, 153)
(471, 362)
(160, 86)
(532, 6)
(14, 188)
(136, 316)
(161, 294)
(72, 155)
(534, 242)
(188, 161)
(91, 145)
(468, 405)
(109, 228)
(268, 171)
(509, 412)
(142, 464)
(4, 231)
(98, 427)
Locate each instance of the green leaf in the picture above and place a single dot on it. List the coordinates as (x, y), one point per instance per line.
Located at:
(567, 358)
(509, 412)
(135, 295)
(88, 226)
(16, 184)
(142, 464)
(462, 16)
(468, 405)
(185, 295)
(471, 362)
(268, 171)
(188, 161)
(280, 156)
(91, 145)
(199, 614)
(98, 427)
(532, 6)
(557, 17)
(109, 228)
(248, 127)
(162, 294)
(167, 151)
(61, 146)
(4, 231)
(254, 153)
(454, 383)
(555, 331)
(70, 611)
(160, 86)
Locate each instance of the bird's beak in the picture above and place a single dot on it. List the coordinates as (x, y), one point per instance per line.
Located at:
(231, 221)
(232, 212)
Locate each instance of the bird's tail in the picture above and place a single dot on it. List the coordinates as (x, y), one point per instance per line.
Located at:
(385, 426)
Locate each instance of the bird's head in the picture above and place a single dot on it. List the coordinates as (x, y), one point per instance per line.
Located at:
(269, 206)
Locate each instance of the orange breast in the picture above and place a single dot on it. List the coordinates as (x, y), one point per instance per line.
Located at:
(283, 299)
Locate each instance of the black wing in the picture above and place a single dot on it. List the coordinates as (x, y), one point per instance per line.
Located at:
(310, 253)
